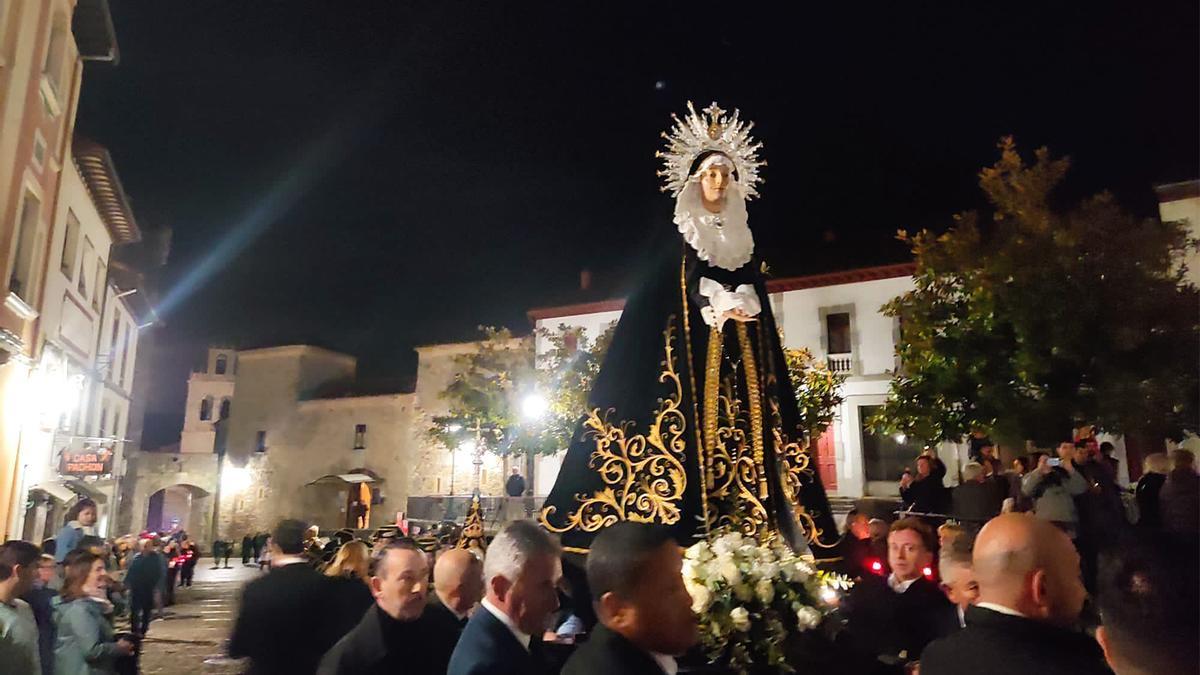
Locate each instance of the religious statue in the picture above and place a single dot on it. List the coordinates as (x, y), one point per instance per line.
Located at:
(692, 423)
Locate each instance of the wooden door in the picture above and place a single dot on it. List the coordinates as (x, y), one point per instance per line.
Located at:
(827, 460)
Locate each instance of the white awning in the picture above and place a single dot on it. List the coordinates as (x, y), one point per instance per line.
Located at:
(348, 478)
(56, 489)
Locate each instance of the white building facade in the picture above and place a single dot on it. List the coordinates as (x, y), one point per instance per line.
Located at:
(77, 414)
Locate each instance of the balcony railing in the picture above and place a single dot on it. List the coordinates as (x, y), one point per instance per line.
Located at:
(841, 364)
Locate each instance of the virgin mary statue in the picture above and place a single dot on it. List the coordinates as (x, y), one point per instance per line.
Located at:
(692, 422)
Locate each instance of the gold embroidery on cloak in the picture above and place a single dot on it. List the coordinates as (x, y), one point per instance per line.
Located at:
(643, 475)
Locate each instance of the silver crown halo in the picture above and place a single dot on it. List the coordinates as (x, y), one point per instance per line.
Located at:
(709, 130)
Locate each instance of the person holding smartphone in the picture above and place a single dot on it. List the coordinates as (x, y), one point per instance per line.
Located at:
(1053, 486)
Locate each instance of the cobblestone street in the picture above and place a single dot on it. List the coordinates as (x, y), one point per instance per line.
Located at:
(191, 638)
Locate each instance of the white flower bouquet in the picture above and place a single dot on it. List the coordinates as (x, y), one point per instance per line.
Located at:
(749, 597)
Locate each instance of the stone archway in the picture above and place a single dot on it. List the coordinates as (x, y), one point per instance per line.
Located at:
(182, 505)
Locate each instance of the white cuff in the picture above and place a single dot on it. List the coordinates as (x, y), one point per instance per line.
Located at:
(720, 301)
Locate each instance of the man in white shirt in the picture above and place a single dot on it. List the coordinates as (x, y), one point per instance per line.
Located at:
(645, 613)
(18, 630)
(520, 574)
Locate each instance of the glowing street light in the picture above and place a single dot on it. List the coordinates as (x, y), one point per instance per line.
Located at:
(534, 407)
(235, 479)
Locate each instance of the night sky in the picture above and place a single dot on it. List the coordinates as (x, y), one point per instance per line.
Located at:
(370, 176)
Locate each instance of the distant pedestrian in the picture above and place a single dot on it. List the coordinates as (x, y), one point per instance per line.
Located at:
(247, 549)
(260, 545)
(218, 549)
(515, 485)
(142, 580)
(191, 556)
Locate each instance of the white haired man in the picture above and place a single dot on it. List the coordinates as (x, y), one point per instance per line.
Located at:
(520, 576)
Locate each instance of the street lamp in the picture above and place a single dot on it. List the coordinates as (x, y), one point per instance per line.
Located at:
(534, 407)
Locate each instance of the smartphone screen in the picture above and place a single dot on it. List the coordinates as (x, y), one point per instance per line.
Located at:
(1054, 461)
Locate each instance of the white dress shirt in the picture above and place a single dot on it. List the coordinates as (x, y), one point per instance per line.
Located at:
(667, 663)
(897, 585)
(522, 638)
(999, 608)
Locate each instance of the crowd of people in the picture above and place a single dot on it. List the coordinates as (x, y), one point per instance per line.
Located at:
(60, 601)
(948, 587)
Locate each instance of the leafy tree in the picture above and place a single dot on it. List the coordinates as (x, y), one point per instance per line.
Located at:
(494, 381)
(818, 390)
(1032, 318)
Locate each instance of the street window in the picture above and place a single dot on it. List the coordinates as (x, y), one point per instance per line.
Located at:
(56, 53)
(206, 408)
(70, 249)
(360, 436)
(837, 330)
(260, 441)
(20, 281)
(103, 421)
(222, 364)
(224, 413)
(884, 456)
(89, 253)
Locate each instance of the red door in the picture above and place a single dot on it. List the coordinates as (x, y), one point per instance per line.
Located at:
(827, 460)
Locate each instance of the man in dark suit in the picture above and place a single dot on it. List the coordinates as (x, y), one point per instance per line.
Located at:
(283, 624)
(975, 501)
(397, 634)
(644, 609)
(892, 619)
(520, 575)
(457, 587)
(1030, 598)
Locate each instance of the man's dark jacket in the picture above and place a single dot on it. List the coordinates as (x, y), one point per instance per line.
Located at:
(999, 644)
(609, 653)
(976, 502)
(285, 623)
(145, 571)
(514, 486)
(488, 647)
(883, 623)
(380, 644)
(442, 615)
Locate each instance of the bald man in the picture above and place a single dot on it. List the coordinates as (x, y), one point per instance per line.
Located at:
(457, 587)
(1030, 597)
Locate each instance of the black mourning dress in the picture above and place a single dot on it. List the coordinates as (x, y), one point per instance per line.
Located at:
(691, 427)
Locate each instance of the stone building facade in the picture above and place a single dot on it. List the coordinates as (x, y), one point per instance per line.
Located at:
(296, 440)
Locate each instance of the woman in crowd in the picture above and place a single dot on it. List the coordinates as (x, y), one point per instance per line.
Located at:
(926, 493)
(350, 570)
(85, 643)
(81, 521)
